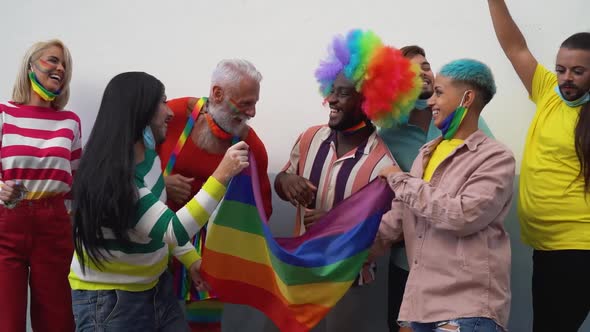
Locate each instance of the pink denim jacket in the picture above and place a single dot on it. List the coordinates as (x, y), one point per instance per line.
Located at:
(458, 249)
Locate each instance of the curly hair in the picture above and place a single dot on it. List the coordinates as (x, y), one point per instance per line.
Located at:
(389, 83)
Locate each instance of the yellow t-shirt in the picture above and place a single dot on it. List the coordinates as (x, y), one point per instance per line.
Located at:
(442, 150)
(554, 213)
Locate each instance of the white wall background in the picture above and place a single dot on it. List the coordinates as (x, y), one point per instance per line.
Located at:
(181, 41)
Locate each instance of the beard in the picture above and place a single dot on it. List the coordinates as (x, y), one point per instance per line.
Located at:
(426, 93)
(224, 117)
(343, 125)
(578, 94)
(347, 121)
(207, 141)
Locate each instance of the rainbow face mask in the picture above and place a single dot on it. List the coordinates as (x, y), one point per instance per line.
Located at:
(451, 124)
(38, 88)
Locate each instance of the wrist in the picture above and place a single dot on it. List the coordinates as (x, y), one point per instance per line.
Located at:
(280, 182)
(220, 176)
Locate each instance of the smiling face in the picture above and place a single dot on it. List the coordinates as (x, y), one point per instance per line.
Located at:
(50, 68)
(426, 75)
(445, 99)
(159, 123)
(345, 104)
(233, 108)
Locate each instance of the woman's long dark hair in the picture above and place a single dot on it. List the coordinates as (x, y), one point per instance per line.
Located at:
(581, 41)
(104, 190)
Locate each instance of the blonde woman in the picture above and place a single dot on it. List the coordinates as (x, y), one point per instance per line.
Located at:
(40, 148)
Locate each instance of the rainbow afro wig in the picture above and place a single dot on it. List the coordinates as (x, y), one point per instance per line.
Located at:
(389, 83)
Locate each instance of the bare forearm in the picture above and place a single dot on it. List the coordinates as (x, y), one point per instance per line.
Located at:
(513, 43)
(509, 35)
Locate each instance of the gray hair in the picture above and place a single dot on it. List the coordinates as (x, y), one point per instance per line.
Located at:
(229, 72)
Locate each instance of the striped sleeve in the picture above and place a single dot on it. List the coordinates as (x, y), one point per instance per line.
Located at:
(186, 254)
(160, 223)
(75, 157)
(293, 163)
(1, 125)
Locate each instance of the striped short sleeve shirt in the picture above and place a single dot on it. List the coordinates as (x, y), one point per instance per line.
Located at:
(314, 158)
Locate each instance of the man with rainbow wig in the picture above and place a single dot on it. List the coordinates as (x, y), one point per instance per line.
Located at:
(450, 209)
(364, 83)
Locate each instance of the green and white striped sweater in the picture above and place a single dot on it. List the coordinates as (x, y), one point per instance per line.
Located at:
(157, 232)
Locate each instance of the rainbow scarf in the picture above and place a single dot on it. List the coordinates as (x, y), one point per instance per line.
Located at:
(294, 281)
(202, 315)
(184, 135)
(216, 130)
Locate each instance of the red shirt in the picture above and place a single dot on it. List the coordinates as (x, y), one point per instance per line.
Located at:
(194, 162)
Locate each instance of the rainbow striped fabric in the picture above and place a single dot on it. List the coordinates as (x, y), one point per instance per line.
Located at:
(184, 135)
(294, 281)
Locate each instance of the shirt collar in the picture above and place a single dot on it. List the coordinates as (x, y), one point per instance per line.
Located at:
(329, 136)
(472, 142)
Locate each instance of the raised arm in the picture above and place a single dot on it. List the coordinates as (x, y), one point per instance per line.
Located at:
(513, 43)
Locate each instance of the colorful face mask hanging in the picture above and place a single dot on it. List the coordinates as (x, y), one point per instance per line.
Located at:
(40, 89)
(451, 124)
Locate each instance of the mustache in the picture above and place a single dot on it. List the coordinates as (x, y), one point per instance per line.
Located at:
(243, 117)
(568, 86)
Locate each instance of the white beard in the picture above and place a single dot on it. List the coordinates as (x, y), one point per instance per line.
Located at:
(207, 141)
(224, 116)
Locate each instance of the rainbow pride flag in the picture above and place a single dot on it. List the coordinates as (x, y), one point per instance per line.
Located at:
(294, 281)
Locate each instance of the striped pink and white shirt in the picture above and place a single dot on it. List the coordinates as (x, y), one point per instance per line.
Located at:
(39, 146)
(314, 158)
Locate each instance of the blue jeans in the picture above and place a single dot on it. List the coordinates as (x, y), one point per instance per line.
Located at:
(476, 324)
(115, 310)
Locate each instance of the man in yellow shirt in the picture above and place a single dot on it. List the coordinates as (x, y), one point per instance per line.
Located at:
(554, 206)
